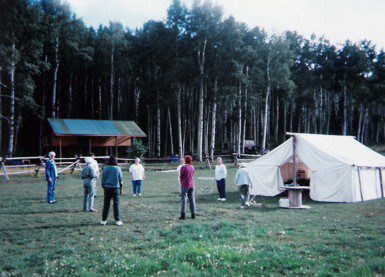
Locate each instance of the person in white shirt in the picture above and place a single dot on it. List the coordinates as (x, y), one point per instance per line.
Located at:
(137, 177)
(220, 177)
(242, 181)
(182, 163)
(95, 167)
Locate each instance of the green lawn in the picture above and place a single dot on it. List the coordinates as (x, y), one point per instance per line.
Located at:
(223, 240)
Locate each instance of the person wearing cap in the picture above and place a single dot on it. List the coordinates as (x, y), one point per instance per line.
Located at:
(137, 177)
(242, 181)
(89, 177)
(187, 187)
(51, 175)
(220, 177)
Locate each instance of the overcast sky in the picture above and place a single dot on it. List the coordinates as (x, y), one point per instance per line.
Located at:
(337, 20)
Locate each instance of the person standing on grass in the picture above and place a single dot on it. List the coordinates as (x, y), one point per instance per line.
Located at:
(220, 177)
(137, 177)
(182, 163)
(187, 187)
(51, 175)
(242, 181)
(112, 183)
(95, 166)
(89, 177)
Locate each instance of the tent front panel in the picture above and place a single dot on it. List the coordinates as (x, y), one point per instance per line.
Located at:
(265, 173)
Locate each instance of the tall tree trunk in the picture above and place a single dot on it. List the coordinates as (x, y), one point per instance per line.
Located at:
(276, 127)
(378, 126)
(170, 126)
(284, 120)
(201, 61)
(345, 104)
(316, 111)
(365, 133)
(360, 122)
(239, 134)
(12, 99)
(42, 116)
(92, 98)
(179, 115)
(100, 99)
(245, 113)
(55, 71)
(213, 123)
(17, 129)
(149, 131)
(70, 96)
(206, 131)
(1, 107)
(111, 109)
(258, 120)
(158, 126)
(267, 105)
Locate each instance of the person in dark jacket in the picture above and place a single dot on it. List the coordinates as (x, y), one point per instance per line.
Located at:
(51, 175)
(112, 183)
(187, 187)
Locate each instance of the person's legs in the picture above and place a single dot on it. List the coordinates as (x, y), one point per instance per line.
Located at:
(219, 188)
(191, 199)
(243, 192)
(116, 199)
(85, 197)
(139, 184)
(134, 186)
(53, 190)
(106, 206)
(223, 188)
(183, 202)
(50, 193)
(92, 194)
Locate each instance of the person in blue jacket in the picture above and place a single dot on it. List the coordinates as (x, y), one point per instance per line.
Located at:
(51, 177)
(112, 183)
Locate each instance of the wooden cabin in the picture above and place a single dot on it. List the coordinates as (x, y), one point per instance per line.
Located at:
(80, 133)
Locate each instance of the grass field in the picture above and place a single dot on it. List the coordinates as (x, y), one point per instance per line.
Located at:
(329, 239)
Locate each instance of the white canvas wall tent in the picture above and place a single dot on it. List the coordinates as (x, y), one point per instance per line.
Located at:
(340, 168)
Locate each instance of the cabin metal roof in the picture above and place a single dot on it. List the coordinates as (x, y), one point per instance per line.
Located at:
(95, 128)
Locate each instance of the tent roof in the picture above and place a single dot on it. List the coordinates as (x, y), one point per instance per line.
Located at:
(95, 128)
(344, 148)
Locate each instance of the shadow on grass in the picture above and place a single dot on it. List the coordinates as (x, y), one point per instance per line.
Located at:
(47, 227)
(42, 212)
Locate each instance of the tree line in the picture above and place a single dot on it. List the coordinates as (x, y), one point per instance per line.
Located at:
(196, 83)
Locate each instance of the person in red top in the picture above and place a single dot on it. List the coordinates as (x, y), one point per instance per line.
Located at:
(187, 187)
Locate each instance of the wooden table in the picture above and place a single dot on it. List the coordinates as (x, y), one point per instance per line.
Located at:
(295, 197)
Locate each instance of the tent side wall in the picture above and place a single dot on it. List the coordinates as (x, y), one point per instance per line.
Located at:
(366, 183)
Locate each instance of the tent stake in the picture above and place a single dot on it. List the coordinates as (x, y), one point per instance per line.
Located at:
(359, 181)
(381, 185)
